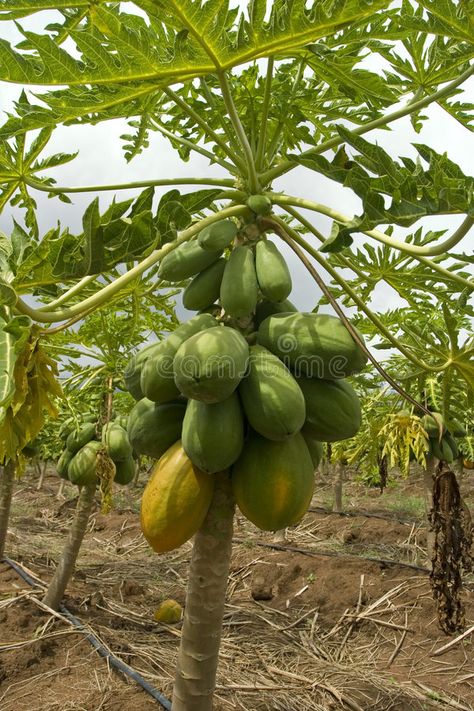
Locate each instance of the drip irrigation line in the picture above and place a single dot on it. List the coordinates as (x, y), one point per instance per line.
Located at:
(316, 554)
(365, 514)
(98, 646)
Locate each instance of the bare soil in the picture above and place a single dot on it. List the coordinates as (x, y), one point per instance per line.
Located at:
(337, 616)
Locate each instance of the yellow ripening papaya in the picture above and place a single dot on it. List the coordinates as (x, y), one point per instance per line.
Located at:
(175, 500)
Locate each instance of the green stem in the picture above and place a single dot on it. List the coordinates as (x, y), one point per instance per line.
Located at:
(276, 140)
(451, 276)
(205, 126)
(254, 183)
(409, 108)
(226, 126)
(69, 293)
(355, 298)
(195, 147)
(218, 182)
(262, 139)
(107, 292)
(414, 250)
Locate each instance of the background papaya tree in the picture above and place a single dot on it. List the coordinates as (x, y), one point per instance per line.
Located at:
(258, 91)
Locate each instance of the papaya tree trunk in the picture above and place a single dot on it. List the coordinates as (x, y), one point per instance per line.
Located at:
(67, 561)
(60, 494)
(428, 496)
(202, 626)
(337, 486)
(137, 471)
(6, 492)
(42, 472)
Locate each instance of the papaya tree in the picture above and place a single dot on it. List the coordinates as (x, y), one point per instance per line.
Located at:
(260, 91)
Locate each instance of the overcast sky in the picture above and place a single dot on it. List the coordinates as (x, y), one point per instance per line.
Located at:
(101, 161)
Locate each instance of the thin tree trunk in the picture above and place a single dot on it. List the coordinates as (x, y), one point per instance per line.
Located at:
(200, 640)
(137, 471)
(428, 495)
(42, 475)
(337, 486)
(65, 568)
(60, 494)
(6, 492)
(458, 468)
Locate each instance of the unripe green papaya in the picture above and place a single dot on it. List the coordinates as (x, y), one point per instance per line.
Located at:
(239, 288)
(133, 369)
(185, 261)
(63, 463)
(82, 468)
(451, 442)
(267, 308)
(210, 365)
(125, 471)
(152, 428)
(271, 397)
(121, 420)
(273, 275)
(116, 442)
(217, 236)
(315, 448)
(273, 482)
(314, 345)
(205, 288)
(213, 435)
(332, 409)
(77, 439)
(441, 450)
(432, 424)
(260, 204)
(157, 376)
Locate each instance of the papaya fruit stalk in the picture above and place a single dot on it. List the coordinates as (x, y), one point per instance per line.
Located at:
(6, 493)
(67, 561)
(205, 600)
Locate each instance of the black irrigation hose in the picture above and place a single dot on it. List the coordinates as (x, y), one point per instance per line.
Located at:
(98, 646)
(314, 554)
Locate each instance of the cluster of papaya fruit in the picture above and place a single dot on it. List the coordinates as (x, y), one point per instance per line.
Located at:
(249, 384)
(78, 461)
(442, 443)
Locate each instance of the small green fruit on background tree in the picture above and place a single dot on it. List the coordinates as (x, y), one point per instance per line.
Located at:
(259, 92)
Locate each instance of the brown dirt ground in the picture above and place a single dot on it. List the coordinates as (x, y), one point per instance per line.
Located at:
(289, 641)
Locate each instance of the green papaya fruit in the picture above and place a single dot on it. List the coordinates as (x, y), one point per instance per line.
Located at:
(441, 450)
(78, 438)
(116, 442)
(153, 428)
(63, 463)
(205, 288)
(451, 442)
(271, 397)
(82, 468)
(210, 365)
(260, 204)
(267, 308)
(239, 288)
(125, 471)
(314, 345)
(213, 435)
(273, 482)
(315, 448)
(157, 377)
(185, 261)
(273, 275)
(217, 236)
(432, 424)
(332, 409)
(122, 421)
(133, 369)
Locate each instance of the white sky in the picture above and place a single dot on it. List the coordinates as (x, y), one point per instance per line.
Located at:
(101, 161)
